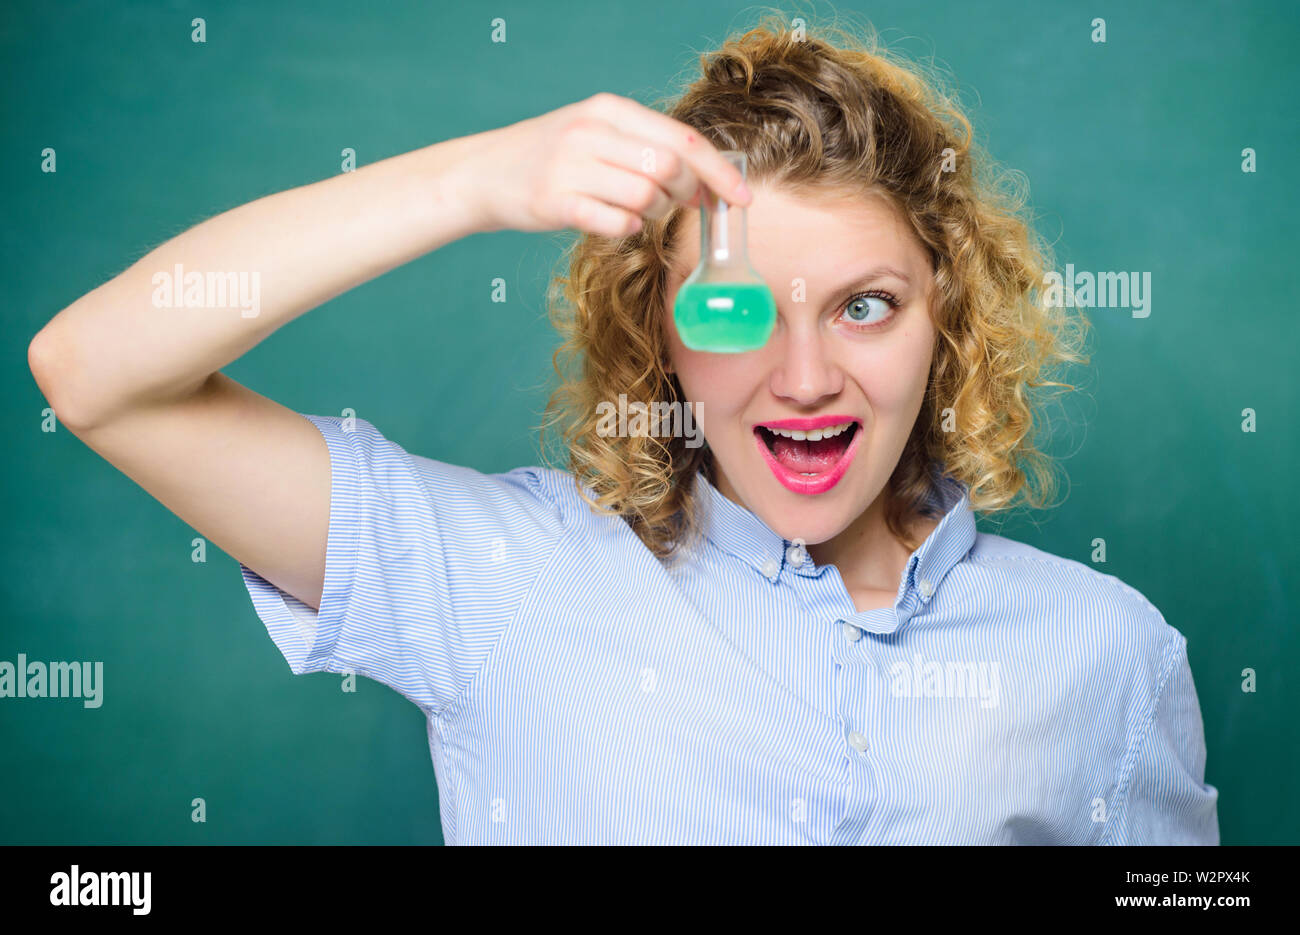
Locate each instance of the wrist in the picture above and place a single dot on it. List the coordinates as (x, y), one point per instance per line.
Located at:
(457, 194)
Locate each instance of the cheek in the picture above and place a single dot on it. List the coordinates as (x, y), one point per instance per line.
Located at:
(719, 381)
(895, 381)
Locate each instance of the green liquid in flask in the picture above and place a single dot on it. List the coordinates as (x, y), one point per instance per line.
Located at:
(724, 317)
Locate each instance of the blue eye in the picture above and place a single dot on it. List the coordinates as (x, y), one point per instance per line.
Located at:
(859, 310)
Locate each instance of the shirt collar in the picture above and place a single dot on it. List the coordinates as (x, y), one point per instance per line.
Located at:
(739, 532)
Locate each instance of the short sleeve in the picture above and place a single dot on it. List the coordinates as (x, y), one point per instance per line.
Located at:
(426, 564)
(1165, 799)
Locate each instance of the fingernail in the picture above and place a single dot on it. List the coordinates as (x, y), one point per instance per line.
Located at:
(742, 192)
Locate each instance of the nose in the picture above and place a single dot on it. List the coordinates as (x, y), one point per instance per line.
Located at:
(806, 373)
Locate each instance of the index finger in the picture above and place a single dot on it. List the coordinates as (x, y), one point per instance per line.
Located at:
(703, 157)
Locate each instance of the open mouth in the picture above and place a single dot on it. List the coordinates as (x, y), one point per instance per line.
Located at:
(809, 461)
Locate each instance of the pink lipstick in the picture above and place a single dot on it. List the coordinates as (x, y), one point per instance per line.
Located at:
(809, 455)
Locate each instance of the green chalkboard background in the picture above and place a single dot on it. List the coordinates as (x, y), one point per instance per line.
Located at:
(1134, 152)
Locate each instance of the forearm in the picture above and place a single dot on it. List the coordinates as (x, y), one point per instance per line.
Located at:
(149, 336)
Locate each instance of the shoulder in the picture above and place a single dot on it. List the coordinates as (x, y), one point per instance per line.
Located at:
(551, 491)
(1075, 606)
(1033, 572)
(555, 487)
(374, 466)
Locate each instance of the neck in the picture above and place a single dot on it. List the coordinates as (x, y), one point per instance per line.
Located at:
(866, 553)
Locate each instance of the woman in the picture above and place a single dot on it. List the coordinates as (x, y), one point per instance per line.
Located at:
(791, 634)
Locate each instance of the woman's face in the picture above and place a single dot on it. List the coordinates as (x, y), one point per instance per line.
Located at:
(833, 359)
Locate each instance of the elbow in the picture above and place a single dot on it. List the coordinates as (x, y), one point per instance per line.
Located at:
(48, 361)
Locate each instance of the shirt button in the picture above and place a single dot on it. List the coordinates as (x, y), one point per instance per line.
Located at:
(770, 568)
(851, 633)
(794, 555)
(857, 741)
(927, 589)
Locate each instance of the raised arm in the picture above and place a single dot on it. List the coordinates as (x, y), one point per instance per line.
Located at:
(135, 372)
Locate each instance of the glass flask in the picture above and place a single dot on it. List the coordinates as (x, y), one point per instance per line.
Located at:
(723, 306)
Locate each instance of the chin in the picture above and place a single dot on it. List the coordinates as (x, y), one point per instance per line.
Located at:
(813, 526)
(814, 519)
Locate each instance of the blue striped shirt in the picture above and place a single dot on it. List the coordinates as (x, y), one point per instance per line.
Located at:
(578, 691)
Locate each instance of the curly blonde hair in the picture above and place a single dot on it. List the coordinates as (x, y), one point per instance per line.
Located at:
(815, 115)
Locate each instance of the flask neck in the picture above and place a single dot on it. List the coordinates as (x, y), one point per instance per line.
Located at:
(722, 233)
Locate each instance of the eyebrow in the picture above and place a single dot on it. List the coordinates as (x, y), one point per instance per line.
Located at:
(875, 273)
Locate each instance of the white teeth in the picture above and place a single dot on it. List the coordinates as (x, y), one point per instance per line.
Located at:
(815, 435)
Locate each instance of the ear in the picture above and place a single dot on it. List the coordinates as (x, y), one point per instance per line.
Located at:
(666, 360)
